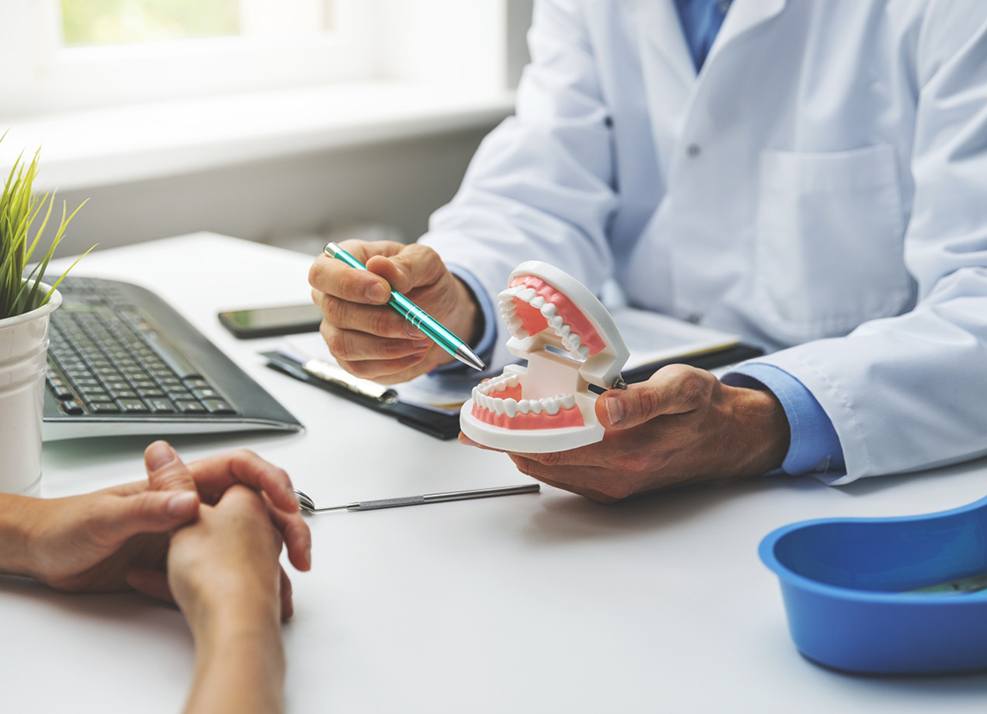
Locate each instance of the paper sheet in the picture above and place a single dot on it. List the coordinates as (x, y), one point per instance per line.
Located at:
(650, 337)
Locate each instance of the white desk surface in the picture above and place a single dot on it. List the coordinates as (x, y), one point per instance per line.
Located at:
(523, 604)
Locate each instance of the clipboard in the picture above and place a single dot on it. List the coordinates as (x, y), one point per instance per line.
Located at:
(445, 425)
(437, 424)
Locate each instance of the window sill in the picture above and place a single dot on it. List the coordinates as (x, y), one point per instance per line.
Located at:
(122, 144)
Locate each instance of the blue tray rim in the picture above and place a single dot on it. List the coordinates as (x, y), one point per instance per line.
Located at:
(789, 577)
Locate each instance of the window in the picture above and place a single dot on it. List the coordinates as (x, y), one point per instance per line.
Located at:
(122, 22)
(76, 54)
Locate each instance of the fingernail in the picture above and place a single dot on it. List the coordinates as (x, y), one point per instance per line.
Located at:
(182, 504)
(615, 410)
(158, 455)
(377, 293)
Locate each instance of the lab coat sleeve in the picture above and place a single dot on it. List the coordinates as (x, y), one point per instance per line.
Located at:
(908, 393)
(540, 185)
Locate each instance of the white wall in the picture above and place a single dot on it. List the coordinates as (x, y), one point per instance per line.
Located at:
(397, 183)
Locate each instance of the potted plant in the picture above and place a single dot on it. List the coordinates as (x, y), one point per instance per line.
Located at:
(26, 302)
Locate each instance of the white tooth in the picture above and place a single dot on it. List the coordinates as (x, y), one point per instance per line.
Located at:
(523, 406)
(551, 405)
(555, 322)
(548, 309)
(537, 301)
(527, 294)
(497, 405)
(568, 401)
(510, 406)
(476, 395)
(583, 352)
(485, 401)
(564, 330)
(574, 341)
(535, 406)
(512, 381)
(515, 324)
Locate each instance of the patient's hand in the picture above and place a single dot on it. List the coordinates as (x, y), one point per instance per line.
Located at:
(367, 337)
(117, 539)
(223, 572)
(227, 561)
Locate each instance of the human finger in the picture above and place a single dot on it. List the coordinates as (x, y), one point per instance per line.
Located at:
(153, 583)
(215, 474)
(675, 389)
(286, 593)
(597, 454)
(371, 319)
(117, 519)
(590, 482)
(354, 346)
(384, 370)
(296, 535)
(165, 469)
(333, 277)
(415, 266)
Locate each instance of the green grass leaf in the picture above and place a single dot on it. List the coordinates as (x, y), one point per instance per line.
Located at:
(20, 210)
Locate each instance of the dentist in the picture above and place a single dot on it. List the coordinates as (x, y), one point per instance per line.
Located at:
(810, 175)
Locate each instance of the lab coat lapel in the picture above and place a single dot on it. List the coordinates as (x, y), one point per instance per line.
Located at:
(666, 67)
(744, 16)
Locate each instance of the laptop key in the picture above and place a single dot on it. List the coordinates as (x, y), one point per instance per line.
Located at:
(70, 406)
(132, 406)
(218, 406)
(161, 406)
(104, 408)
(189, 406)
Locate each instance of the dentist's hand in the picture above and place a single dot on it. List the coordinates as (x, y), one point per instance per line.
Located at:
(681, 425)
(366, 336)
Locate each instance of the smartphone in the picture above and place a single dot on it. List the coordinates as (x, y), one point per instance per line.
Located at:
(271, 321)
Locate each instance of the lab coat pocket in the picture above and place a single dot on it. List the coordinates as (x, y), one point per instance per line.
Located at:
(829, 241)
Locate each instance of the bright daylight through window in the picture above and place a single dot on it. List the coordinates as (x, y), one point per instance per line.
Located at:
(126, 22)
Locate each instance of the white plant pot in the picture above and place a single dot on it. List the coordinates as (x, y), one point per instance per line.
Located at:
(23, 363)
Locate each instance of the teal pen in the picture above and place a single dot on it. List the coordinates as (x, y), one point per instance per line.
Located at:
(432, 328)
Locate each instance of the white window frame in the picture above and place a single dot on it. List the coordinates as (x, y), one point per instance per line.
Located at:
(39, 76)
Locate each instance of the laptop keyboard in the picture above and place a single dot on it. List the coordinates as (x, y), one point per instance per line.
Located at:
(106, 358)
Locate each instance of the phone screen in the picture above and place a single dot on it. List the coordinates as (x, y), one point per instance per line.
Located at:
(269, 321)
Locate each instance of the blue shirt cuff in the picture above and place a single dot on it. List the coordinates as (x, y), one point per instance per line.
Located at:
(488, 338)
(814, 444)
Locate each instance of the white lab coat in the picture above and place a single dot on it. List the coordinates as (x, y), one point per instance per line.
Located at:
(821, 186)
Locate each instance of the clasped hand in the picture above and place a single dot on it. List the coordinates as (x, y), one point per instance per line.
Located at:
(681, 425)
(118, 538)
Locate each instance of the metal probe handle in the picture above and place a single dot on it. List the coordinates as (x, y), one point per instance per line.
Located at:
(442, 497)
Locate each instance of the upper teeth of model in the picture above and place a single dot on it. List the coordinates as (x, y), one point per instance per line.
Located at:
(570, 340)
(512, 407)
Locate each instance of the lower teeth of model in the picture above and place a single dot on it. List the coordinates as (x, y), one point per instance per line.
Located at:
(511, 407)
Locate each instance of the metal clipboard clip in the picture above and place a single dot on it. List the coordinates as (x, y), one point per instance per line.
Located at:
(334, 374)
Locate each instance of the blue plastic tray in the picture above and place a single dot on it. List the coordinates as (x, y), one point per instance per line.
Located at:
(845, 582)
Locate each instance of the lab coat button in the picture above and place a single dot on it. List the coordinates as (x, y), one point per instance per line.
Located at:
(693, 150)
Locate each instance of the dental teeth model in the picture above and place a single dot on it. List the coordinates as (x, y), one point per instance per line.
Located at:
(570, 341)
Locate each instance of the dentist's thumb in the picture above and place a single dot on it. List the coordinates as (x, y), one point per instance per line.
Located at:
(675, 389)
